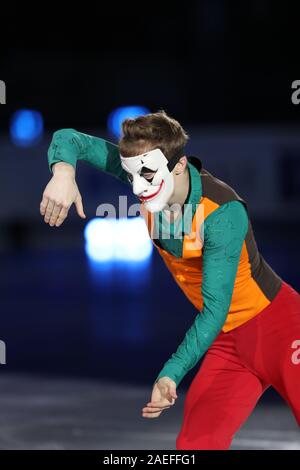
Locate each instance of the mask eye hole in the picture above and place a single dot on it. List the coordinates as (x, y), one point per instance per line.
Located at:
(149, 178)
(148, 174)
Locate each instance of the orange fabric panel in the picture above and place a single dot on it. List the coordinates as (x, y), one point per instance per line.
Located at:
(247, 299)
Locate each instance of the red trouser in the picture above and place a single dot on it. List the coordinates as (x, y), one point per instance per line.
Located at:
(238, 367)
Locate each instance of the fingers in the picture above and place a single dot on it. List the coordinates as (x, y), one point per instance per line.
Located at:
(54, 213)
(79, 207)
(154, 409)
(151, 412)
(163, 397)
(171, 397)
(43, 205)
(160, 405)
(48, 211)
(153, 415)
(172, 393)
(62, 216)
(154, 412)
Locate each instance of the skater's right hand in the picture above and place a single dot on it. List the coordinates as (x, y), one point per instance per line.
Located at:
(163, 396)
(60, 193)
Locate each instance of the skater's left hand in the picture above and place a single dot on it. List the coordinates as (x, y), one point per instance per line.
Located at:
(163, 396)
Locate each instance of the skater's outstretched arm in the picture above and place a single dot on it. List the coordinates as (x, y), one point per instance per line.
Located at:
(67, 147)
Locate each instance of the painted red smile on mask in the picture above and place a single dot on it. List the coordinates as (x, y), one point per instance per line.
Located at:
(147, 198)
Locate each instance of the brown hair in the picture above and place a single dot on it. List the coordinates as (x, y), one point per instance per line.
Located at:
(157, 129)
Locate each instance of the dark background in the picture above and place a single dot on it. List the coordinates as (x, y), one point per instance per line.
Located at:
(206, 61)
(224, 69)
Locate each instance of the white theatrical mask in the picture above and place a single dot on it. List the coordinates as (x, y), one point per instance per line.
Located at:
(154, 194)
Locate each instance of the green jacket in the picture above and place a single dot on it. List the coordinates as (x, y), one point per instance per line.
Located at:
(225, 227)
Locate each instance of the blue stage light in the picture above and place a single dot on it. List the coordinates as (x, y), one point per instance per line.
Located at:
(117, 240)
(117, 116)
(26, 127)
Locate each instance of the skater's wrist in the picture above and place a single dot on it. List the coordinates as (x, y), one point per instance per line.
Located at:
(166, 378)
(63, 168)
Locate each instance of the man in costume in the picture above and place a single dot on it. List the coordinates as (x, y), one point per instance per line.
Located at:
(248, 320)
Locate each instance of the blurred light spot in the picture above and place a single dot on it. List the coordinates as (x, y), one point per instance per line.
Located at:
(117, 240)
(117, 116)
(26, 127)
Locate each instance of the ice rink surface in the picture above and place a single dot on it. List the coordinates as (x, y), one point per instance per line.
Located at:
(47, 413)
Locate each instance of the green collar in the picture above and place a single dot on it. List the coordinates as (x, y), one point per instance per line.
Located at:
(188, 209)
(195, 193)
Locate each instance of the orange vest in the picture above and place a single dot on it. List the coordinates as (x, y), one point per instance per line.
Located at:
(255, 284)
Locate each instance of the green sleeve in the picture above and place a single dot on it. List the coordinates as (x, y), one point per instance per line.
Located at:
(224, 233)
(69, 145)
